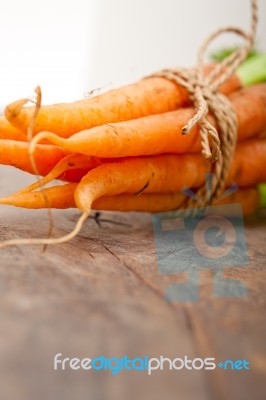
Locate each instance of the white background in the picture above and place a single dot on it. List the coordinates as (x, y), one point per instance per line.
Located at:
(73, 46)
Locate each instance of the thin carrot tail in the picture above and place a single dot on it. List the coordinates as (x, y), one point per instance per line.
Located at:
(46, 135)
(49, 241)
(70, 162)
(57, 196)
(13, 110)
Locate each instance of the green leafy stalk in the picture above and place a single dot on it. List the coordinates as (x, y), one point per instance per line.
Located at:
(219, 55)
(262, 190)
(251, 71)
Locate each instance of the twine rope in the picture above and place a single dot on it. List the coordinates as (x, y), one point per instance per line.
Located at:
(218, 146)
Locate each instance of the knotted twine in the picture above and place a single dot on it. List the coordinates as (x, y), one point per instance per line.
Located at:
(218, 145)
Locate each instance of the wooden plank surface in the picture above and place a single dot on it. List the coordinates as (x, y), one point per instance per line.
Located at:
(102, 294)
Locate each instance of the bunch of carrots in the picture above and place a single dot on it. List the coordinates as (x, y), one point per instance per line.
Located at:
(123, 150)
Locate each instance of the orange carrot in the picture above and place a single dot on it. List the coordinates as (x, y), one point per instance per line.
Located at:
(149, 96)
(156, 172)
(72, 162)
(16, 154)
(8, 131)
(168, 173)
(249, 163)
(70, 168)
(248, 198)
(159, 134)
(57, 197)
(63, 197)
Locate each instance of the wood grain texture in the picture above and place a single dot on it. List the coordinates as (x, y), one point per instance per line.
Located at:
(102, 294)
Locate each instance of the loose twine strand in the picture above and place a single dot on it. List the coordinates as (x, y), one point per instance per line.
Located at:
(218, 146)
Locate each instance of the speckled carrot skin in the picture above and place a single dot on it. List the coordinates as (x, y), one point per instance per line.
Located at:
(149, 96)
(158, 134)
(168, 173)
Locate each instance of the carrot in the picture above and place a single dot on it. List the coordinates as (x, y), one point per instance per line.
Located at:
(8, 131)
(248, 198)
(149, 96)
(262, 135)
(157, 174)
(159, 134)
(71, 168)
(72, 162)
(16, 154)
(168, 173)
(249, 163)
(58, 197)
(73, 175)
(63, 197)
(147, 174)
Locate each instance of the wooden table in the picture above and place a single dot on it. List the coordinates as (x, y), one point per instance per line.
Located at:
(102, 294)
